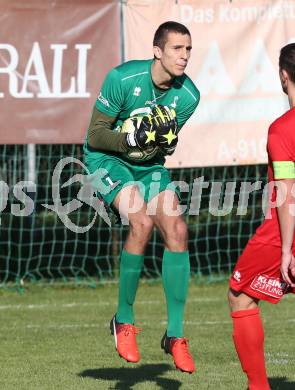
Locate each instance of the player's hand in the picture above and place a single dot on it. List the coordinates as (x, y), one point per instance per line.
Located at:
(288, 267)
(165, 125)
(143, 136)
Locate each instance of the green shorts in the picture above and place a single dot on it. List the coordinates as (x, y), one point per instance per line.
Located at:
(109, 174)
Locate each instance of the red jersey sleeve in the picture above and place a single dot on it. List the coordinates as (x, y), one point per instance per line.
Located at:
(279, 151)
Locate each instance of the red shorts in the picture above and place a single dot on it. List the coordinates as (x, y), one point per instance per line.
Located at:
(257, 273)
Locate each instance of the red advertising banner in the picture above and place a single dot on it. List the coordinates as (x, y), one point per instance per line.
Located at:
(234, 63)
(53, 58)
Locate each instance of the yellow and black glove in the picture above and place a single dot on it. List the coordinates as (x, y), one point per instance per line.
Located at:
(166, 128)
(141, 133)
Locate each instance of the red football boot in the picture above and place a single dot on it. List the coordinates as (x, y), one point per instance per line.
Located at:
(178, 348)
(125, 340)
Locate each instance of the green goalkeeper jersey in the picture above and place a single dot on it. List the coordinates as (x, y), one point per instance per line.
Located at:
(128, 90)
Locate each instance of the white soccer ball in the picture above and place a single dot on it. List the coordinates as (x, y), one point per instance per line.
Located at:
(136, 154)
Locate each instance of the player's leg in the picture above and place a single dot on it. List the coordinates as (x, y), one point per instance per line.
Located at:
(175, 275)
(132, 256)
(131, 262)
(122, 195)
(112, 177)
(248, 337)
(253, 278)
(176, 264)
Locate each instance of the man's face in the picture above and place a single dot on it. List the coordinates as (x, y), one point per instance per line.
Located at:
(176, 53)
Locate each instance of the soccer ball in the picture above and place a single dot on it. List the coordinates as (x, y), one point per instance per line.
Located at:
(136, 154)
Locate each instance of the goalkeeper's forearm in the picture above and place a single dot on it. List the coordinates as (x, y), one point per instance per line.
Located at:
(101, 136)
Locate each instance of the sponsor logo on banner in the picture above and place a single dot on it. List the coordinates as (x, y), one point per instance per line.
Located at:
(273, 287)
(35, 71)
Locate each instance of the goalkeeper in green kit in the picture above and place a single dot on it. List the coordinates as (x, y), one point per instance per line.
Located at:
(135, 123)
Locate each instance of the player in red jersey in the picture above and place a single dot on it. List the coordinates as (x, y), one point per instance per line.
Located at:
(266, 268)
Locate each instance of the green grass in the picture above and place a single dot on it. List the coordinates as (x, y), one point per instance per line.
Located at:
(58, 338)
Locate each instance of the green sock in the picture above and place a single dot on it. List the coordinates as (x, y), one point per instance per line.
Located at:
(130, 269)
(175, 275)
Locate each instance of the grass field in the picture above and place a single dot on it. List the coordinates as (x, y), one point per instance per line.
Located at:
(58, 338)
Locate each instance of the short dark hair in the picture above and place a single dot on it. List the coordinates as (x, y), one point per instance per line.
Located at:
(160, 37)
(287, 60)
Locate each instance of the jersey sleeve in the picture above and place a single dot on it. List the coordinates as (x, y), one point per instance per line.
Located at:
(110, 98)
(279, 154)
(184, 115)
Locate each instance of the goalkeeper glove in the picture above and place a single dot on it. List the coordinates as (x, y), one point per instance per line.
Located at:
(144, 135)
(165, 125)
